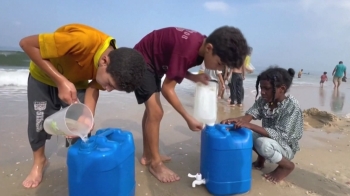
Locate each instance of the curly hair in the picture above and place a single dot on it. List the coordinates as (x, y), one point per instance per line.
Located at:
(277, 77)
(127, 67)
(230, 45)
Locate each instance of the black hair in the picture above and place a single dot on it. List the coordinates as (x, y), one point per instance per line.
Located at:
(127, 67)
(325, 72)
(340, 62)
(230, 45)
(278, 77)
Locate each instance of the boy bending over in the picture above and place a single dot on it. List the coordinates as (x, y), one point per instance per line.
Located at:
(172, 51)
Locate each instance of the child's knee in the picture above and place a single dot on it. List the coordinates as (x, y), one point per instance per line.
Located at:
(263, 146)
(155, 113)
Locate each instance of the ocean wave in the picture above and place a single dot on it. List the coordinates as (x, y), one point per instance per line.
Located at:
(13, 77)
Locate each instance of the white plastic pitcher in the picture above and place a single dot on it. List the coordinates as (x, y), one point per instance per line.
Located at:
(205, 103)
(74, 120)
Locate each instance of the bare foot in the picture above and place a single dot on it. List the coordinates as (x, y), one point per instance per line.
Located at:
(162, 173)
(229, 100)
(231, 105)
(239, 105)
(164, 159)
(279, 173)
(35, 176)
(259, 163)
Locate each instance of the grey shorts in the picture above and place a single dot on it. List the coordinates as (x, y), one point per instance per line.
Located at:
(270, 149)
(42, 102)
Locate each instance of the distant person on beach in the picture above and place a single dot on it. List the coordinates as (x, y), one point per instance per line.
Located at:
(338, 73)
(247, 64)
(214, 76)
(324, 78)
(300, 73)
(282, 122)
(61, 64)
(223, 83)
(237, 76)
(172, 52)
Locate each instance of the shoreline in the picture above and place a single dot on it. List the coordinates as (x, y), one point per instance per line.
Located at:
(321, 165)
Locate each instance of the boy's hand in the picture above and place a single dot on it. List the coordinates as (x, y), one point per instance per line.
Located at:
(194, 124)
(67, 92)
(87, 122)
(202, 78)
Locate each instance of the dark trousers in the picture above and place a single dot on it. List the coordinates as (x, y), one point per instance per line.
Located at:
(236, 88)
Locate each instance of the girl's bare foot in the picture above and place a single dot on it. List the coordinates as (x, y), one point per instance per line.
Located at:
(279, 173)
(164, 159)
(259, 163)
(162, 173)
(232, 105)
(239, 105)
(229, 100)
(36, 174)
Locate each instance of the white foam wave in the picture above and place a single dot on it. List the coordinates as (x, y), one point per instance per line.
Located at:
(13, 77)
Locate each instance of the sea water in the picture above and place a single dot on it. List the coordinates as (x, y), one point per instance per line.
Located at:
(78, 129)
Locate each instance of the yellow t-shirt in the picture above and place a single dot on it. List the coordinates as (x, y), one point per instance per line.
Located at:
(74, 50)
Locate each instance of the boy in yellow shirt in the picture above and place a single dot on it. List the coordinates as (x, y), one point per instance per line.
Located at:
(61, 65)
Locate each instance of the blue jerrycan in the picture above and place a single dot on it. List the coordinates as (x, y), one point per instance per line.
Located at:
(102, 166)
(225, 160)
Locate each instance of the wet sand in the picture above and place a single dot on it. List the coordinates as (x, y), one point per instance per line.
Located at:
(322, 165)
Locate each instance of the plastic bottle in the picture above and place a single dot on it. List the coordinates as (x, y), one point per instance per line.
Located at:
(205, 103)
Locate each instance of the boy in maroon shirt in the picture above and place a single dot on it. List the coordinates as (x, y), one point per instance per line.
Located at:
(172, 51)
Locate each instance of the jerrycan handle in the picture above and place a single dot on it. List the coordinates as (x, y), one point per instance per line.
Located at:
(106, 133)
(226, 128)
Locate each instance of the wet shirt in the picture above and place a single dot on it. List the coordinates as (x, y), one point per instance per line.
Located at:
(171, 51)
(339, 72)
(285, 124)
(74, 50)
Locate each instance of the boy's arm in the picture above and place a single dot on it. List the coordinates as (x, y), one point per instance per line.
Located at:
(45, 46)
(168, 91)
(31, 47)
(91, 96)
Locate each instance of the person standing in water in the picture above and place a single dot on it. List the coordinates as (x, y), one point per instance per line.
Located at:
(237, 76)
(324, 78)
(300, 73)
(338, 73)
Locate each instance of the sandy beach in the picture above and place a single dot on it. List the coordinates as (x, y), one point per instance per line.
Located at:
(322, 165)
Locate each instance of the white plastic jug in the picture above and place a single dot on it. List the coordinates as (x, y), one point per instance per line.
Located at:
(74, 120)
(205, 103)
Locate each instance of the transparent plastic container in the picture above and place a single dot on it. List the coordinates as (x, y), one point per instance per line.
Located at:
(205, 103)
(74, 120)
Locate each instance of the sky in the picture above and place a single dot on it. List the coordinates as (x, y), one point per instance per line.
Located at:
(309, 34)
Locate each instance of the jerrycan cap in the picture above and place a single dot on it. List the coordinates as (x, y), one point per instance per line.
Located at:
(89, 145)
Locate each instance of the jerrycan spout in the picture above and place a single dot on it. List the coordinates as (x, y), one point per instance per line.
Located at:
(198, 181)
(88, 146)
